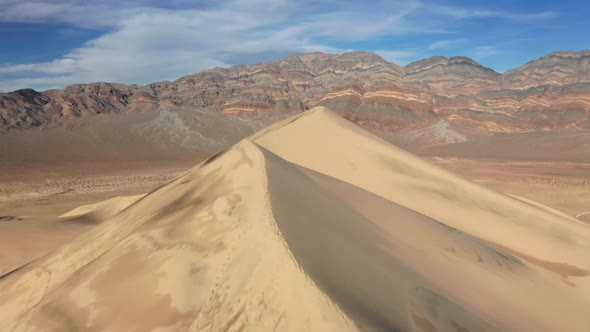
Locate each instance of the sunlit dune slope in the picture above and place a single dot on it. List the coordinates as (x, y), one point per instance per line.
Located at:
(311, 225)
(326, 143)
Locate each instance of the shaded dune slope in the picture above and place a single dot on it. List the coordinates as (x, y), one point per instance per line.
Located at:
(311, 225)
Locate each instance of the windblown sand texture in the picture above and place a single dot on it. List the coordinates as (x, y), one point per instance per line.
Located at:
(312, 224)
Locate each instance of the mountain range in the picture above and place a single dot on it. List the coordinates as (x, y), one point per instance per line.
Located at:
(437, 103)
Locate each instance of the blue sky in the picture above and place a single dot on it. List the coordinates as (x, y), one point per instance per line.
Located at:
(54, 43)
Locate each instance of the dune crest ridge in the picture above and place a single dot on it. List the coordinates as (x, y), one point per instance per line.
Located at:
(311, 224)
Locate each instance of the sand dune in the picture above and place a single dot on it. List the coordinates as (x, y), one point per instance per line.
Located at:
(310, 225)
(326, 143)
(105, 209)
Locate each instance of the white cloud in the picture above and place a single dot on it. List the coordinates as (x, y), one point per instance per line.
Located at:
(464, 13)
(54, 82)
(81, 14)
(60, 66)
(482, 52)
(529, 17)
(447, 43)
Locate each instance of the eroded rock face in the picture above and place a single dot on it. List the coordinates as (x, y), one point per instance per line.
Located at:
(23, 109)
(547, 94)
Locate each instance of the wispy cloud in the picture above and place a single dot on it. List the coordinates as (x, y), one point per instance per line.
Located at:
(447, 43)
(464, 13)
(85, 15)
(529, 17)
(482, 52)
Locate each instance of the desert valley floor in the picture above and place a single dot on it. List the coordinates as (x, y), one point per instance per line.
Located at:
(51, 189)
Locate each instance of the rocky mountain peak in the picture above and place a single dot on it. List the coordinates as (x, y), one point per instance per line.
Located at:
(564, 67)
(445, 64)
(360, 56)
